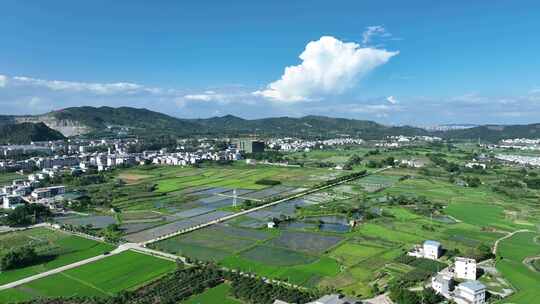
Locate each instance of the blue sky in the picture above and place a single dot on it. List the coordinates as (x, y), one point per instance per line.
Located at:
(398, 62)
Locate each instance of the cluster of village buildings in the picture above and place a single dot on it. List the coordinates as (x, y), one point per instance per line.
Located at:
(459, 281)
(80, 161)
(519, 159)
(400, 140)
(295, 144)
(520, 144)
(22, 191)
(107, 160)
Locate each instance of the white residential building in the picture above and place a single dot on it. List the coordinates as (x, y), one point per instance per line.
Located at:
(432, 250)
(470, 292)
(465, 268)
(18, 182)
(475, 165)
(48, 192)
(442, 284)
(22, 190)
(11, 201)
(8, 189)
(414, 163)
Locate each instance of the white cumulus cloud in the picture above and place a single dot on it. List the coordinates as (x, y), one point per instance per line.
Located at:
(372, 31)
(392, 100)
(329, 66)
(90, 87)
(205, 96)
(3, 81)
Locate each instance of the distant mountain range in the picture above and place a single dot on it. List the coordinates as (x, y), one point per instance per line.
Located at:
(95, 121)
(142, 122)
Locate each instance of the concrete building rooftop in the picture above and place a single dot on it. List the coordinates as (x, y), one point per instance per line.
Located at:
(473, 285)
(432, 243)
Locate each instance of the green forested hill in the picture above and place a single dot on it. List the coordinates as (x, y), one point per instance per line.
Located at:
(146, 122)
(143, 122)
(494, 133)
(23, 133)
(307, 126)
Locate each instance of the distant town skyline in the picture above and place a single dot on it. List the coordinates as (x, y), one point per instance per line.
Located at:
(394, 62)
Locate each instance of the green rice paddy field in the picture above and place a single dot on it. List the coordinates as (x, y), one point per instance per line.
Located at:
(170, 184)
(254, 251)
(357, 259)
(350, 261)
(234, 176)
(476, 206)
(124, 271)
(57, 247)
(511, 253)
(366, 254)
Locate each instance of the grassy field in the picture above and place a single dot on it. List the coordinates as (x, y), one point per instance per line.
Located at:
(337, 157)
(214, 243)
(304, 274)
(480, 214)
(13, 296)
(60, 249)
(511, 254)
(275, 256)
(233, 176)
(125, 271)
(254, 251)
(8, 177)
(217, 295)
(350, 254)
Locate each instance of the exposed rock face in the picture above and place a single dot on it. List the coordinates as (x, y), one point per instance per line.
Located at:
(66, 127)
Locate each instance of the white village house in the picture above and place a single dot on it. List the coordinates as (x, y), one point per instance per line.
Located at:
(11, 201)
(429, 250)
(432, 250)
(442, 284)
(470, 292)
(465, 268)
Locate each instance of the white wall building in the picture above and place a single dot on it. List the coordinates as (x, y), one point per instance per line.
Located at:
(11, 201)
(48, 192)
(442, 284)
(475, 165)
(432, 250)
(470, 292)
(465, 268)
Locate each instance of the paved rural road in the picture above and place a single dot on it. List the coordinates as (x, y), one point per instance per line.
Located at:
(509, 235)
(229, 217)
